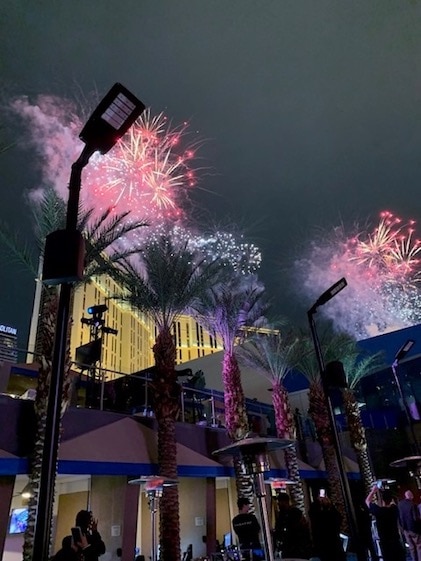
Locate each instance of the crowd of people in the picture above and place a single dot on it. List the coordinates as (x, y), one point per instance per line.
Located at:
(295, 536)
(299, 537)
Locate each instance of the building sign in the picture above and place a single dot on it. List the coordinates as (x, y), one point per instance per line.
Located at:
(9, 330)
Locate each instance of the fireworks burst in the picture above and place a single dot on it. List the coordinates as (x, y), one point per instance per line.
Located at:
(383, 270)
(146, 172)
(232, 250)
(390, 250)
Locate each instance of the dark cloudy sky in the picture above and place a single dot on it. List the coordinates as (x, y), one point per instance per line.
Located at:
(311, 109)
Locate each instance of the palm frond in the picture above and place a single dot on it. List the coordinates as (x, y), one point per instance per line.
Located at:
(273, 355)
(166, 280)
(14, 250)
(230, 306)
(49, 215)
(357, 367)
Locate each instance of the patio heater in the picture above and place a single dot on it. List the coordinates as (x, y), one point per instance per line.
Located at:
(253, 455)
(153, 486)
(346, 492)
(279, 484)
(63, 265)
(413, 466)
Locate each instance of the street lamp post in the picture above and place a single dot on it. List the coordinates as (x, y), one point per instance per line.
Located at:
(346, 493)
(406, 347)
(63, 265)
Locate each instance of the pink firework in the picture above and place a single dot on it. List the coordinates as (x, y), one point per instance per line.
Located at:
(146, 172)
(390, 250)
(383, 269)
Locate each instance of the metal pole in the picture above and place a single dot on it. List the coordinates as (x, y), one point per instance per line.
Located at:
(153, 505)
(346, 493)
(42, 528)
(416, 447)
(260, 490)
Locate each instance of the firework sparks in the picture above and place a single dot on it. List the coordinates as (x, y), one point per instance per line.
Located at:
(146, 172)
(391, 250)
(242, 256)
(383, 270)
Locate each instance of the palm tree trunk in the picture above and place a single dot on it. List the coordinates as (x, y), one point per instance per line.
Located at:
(236, 420)
(166, 405)
(284, 422)
(319, 413)
(358, 438)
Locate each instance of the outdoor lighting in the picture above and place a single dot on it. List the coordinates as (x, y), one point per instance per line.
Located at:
(27, 492)
(406, 347)
(113, 117)
(63, 265)
(154, 485)
(253, 454)
(346, 492)
(329, 294)
(400, 355)
(279, 484)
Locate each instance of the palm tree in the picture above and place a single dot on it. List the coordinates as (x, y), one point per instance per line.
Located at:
(357, 367)
(226, 310)
(165, 282)
(274, 355)
(100, 235)
(334, 347)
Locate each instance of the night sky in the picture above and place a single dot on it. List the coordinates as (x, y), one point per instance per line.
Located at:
(311, 111)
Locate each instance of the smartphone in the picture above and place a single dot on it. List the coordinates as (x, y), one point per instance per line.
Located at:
(76, 534)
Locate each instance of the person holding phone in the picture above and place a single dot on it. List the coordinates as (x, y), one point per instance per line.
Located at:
(383, 507)
(325, 522)
(86, 537)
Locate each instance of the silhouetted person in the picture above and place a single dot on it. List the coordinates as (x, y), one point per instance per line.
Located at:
(68, 551)
(325, 521)
(386, 514)
(246, 526)
(365, 533)
(408, 519)
(292, 531)
(94, 546)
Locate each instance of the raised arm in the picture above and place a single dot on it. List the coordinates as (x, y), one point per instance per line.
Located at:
(370, 496)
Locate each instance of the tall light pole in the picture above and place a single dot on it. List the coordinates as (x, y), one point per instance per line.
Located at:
(402, 352)
(346, 492)
(63, 265)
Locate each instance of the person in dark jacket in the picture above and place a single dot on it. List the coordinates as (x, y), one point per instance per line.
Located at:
(386, 514)
(408, 519)
(93, 547)
(325, 521)
(68, 551)
(247, 527)
(292, 531)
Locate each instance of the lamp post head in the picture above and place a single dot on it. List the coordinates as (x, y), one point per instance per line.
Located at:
(328, 294)
(112, 118)
(402, 352)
